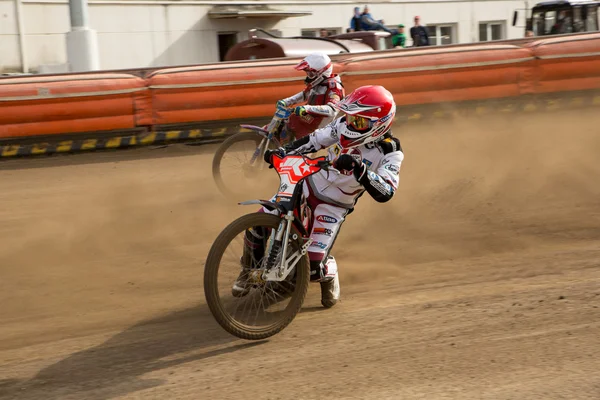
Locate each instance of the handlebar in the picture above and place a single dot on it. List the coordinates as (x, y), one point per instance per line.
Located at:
(323, 164)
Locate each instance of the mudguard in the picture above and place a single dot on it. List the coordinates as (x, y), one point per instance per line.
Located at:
(261, 131)
(269, 205)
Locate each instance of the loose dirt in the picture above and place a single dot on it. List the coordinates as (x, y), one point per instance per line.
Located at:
(479, 280)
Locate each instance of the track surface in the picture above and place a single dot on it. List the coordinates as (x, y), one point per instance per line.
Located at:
(480, 280)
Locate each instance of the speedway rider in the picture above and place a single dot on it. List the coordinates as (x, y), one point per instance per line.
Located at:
(366, 158)
(323, 89)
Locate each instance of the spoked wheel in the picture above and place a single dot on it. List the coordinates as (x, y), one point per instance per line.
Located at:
(235, 171)
(261, 308)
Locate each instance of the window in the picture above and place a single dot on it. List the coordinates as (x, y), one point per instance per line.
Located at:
(564, 20)
(317, 32)
(442, 34)
(226, 41)
(544, 22)
(385, 43)
(265, 34)
(491, 31)
(591, 18)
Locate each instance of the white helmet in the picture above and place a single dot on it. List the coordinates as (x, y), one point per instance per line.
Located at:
(317, 67)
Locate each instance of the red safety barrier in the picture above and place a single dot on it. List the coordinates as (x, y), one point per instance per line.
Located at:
(567, 64)
(32, 106)
(444, 75)
(221, 92)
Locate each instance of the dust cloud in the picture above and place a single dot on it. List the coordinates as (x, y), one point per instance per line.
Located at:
(473, 187)
(468, 188)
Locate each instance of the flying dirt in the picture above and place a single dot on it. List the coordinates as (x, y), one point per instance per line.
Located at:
(480, 279)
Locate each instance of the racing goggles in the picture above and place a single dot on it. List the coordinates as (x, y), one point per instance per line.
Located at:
(358, 123)
(311, 73)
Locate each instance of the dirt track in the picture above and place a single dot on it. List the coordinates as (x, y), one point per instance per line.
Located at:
(480, 280)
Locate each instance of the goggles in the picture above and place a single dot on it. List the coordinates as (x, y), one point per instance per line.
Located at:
(311, 73)
(358, 123)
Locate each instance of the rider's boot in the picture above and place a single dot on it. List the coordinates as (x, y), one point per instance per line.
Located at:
(242, 286)
(327, 275)
(253, 253)
(330, 292)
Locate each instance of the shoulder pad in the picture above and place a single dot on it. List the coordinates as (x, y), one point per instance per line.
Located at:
(389, 145)
(333, 81)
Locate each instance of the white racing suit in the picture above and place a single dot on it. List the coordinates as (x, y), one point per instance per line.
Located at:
(332, 194)
(319, 108)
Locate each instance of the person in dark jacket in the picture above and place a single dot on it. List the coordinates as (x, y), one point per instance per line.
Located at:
(355, 22)
(419, 34)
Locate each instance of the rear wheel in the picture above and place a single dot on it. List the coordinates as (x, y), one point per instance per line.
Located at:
(236, 173)
(267, 307)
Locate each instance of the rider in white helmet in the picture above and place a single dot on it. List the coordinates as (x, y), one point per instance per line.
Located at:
(323, 89)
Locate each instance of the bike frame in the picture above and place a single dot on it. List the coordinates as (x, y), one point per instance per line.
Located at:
(281, 116)
(291, 206)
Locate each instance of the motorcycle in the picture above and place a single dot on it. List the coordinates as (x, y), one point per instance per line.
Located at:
(278, 276)
(254, 142)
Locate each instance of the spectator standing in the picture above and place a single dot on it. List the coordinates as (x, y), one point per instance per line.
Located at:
(419, 34)
(355, 22)
(399, 40)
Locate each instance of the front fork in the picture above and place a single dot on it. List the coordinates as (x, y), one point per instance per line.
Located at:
(261, 149)
(279, 267)
(264, 143)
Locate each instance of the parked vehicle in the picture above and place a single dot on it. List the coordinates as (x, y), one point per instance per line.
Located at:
(262, 44)
(555, 17)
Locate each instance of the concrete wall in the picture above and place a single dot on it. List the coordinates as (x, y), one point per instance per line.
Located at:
(161, 33)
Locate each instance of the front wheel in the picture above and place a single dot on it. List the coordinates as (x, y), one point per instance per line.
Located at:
(239, 169)
(265, 307)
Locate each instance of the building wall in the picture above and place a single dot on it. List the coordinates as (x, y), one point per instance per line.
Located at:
(161, 33)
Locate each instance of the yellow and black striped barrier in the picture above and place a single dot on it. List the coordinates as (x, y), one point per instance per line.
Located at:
(112, 142)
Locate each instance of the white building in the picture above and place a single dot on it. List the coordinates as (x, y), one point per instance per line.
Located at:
(149, 33)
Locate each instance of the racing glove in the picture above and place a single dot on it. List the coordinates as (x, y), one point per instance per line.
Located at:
(269, 155)
(347, 163)
(300, 111)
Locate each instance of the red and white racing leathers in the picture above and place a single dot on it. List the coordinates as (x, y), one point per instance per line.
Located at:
(319, 100)
(333, 194)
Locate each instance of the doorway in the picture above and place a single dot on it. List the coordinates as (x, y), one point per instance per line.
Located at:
(226, 41)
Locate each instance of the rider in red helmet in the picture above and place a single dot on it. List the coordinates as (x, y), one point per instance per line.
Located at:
(367, 158)
(323, 89)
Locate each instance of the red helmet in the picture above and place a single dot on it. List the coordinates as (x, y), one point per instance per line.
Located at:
(369, 113)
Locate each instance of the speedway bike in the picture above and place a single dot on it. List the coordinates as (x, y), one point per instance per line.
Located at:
(238, 162)
(278, 276)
